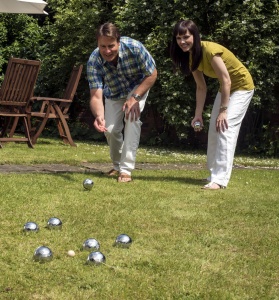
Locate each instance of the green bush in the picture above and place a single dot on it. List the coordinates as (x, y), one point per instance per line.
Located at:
(67, 37)
(246, 27)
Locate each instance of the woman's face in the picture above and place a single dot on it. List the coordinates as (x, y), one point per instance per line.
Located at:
(185, 41)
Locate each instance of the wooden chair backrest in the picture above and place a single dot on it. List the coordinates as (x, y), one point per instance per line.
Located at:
(71, 88)
(19, 81)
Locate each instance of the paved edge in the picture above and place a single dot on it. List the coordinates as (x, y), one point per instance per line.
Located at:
(104, 167)
(88, 168)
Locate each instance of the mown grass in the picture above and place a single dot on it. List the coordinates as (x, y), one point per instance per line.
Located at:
(187, 243)
(54, 151)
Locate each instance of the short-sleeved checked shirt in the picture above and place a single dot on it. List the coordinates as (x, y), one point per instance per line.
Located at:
(134, 63)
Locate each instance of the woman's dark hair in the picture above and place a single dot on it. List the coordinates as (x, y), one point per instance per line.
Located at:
(180, 58)
(108, 29)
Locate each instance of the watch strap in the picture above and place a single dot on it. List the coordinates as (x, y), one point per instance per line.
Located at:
(136, 96)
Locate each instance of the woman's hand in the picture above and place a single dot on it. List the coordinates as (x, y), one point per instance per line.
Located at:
(194, 123)
(222, 122)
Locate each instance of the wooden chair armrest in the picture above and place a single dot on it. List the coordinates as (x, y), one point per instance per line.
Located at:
(49, 99)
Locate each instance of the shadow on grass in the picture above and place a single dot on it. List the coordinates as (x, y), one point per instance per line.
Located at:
(99, 174)
(188, 180)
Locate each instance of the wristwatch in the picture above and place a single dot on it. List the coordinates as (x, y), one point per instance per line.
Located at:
(136, 96)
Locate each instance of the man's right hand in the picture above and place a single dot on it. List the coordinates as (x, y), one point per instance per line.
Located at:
(99, 124)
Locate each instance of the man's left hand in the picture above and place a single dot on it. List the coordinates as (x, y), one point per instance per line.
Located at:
(132, 109)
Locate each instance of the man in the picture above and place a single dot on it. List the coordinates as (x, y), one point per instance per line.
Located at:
(122, 71)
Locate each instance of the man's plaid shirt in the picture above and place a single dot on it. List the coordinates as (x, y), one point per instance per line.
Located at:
(134, 63)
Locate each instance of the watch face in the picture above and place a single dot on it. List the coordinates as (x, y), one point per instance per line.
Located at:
(137, 97)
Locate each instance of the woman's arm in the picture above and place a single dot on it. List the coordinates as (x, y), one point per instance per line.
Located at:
(222, 73)
(201, 90)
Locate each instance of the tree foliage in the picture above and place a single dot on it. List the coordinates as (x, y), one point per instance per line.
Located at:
(67, 37)
(20, 36)
(246, 27)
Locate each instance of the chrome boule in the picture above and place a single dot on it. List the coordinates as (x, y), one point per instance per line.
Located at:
(123, 240)
(96, 258)
(43, 254)
(31, 226)
(54, 223)
(197, 126)
(91, 244)
(88, 184)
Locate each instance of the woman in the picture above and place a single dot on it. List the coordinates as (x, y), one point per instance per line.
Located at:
(191, 55)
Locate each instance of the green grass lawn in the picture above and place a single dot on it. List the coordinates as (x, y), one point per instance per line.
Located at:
(187, 243)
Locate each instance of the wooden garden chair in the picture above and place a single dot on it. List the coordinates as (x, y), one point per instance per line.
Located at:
(57, 109)
(15, 93)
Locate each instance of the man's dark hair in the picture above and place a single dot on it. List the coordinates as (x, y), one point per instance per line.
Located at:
(108, 29)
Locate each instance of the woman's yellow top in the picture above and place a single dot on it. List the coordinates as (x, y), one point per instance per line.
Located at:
(240, 76)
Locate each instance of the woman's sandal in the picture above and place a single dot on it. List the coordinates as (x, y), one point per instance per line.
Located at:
(213, 186)
(124, 178)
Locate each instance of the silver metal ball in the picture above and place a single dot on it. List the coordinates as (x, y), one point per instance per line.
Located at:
(123, 241)
(91, 244)
(197, 125)
(88, 184)
(43, 254)
(96, 258)
(54, 223)
(31, 226)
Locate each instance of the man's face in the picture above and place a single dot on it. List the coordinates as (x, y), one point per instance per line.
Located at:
(109, 48)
